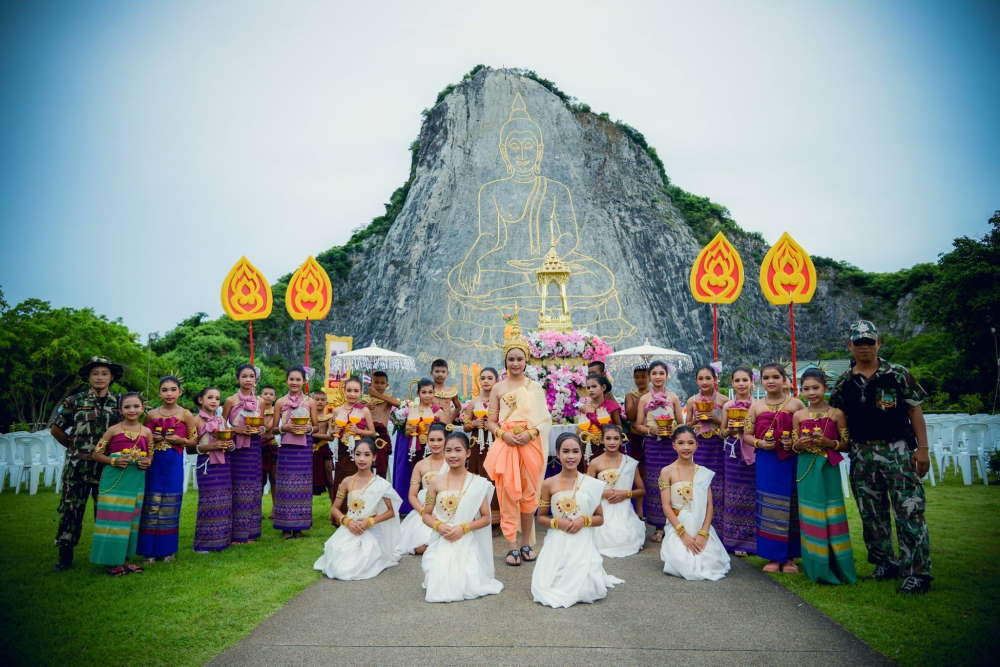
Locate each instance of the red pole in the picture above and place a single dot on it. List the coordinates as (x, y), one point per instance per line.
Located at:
(791, 325)
(250, 322)
(715, 332)
(307, 347)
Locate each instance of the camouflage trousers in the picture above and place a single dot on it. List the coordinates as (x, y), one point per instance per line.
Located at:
(80, 480)
(883, 474)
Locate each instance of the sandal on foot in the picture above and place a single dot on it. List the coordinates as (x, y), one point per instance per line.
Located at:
(132, 569)
(516, 555)
(772, 567)
(789, 568)
(739, 553)
(525, 551)
(169, 559)
(116, 571)
(148, 561)
(657, 536)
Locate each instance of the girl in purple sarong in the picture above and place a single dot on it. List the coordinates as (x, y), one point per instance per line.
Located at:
(659, 412)
(213, 530)
(738, 531)
(245, 459)
(704, 414)
(296, 414)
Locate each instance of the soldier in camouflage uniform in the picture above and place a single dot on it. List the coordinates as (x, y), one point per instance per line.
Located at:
(79, 423)
(888, 457)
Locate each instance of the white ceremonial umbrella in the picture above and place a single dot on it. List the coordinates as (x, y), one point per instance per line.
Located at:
(643, 354)
(372, 358)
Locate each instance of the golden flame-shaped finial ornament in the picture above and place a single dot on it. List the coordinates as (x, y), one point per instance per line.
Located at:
(787, 274)
(717, 273)
(246, 294)
(309, 295)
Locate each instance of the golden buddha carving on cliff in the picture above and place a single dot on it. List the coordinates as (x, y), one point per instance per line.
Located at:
(522, 219)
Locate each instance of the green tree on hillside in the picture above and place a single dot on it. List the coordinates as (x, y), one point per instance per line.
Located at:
(41, 349)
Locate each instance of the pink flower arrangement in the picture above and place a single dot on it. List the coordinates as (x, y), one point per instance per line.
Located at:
(562, 382)
(558, 344)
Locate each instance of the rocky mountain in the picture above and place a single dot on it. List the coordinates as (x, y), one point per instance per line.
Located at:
(507, 170)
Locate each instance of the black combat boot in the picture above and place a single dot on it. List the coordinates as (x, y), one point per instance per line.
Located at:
(65, 559)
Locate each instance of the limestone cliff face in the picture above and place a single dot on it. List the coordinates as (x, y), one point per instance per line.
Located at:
(504, 173)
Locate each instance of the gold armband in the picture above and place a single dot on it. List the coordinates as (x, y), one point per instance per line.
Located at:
(680, 530)
(554, 523)
(466, 528)
(101, 445)
(663, 485)
(340, 493)
(544, 503)
(371, 521)
(845, 440)
(703, 533)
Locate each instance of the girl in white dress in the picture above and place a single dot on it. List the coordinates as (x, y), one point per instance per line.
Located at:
(458, 563)
(367, 540)
(691, 550)
(570, 568)
(415, 533)
(623, 533)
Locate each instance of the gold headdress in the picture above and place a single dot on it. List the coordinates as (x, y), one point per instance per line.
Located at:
(512, 338)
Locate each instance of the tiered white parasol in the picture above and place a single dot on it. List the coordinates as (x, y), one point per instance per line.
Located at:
(372, 358)
(643, 354)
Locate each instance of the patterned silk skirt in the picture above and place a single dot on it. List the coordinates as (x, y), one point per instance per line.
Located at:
(213, 530)
(161, 508)
(293, 488)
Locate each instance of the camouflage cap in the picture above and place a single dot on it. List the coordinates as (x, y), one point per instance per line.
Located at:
(116, 369)
(863, 330)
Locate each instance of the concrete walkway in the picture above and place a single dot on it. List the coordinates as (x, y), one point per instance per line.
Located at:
(745, 619)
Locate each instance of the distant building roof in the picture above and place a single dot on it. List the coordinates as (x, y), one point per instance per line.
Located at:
(832, 367)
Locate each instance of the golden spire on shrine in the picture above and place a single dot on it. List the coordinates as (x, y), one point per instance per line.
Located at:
(556, 272)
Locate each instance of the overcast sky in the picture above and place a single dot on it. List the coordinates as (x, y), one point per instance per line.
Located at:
(144, 146)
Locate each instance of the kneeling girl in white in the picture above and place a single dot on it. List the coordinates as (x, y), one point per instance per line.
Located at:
(623, 533)
(691, 550)
(570, 568)
(458, 562)
(367, 541)
(415, 533)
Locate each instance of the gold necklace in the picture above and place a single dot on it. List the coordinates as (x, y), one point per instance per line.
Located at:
(131, 435)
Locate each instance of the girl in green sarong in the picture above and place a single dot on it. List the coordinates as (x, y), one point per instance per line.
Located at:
(124, 449)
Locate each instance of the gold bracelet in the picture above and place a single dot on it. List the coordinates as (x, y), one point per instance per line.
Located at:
(554, 523)
(435, 526)
(628, 494)
(703, 533)
(588, 521)
(680, 530)
(371, 521)
(344, 519)
(466, 528)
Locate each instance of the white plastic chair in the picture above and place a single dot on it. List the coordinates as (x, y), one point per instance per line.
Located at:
(946, 445)
(845, 474)
(6, 458)
(970, 438)
(53, 459)
(57, 461)
(29, 452)
(190, 461)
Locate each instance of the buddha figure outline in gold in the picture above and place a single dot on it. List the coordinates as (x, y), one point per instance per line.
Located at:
(520, 218)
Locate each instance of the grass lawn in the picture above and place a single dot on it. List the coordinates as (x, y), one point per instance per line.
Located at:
(957, 622)
(188, 611)
(179, 613)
